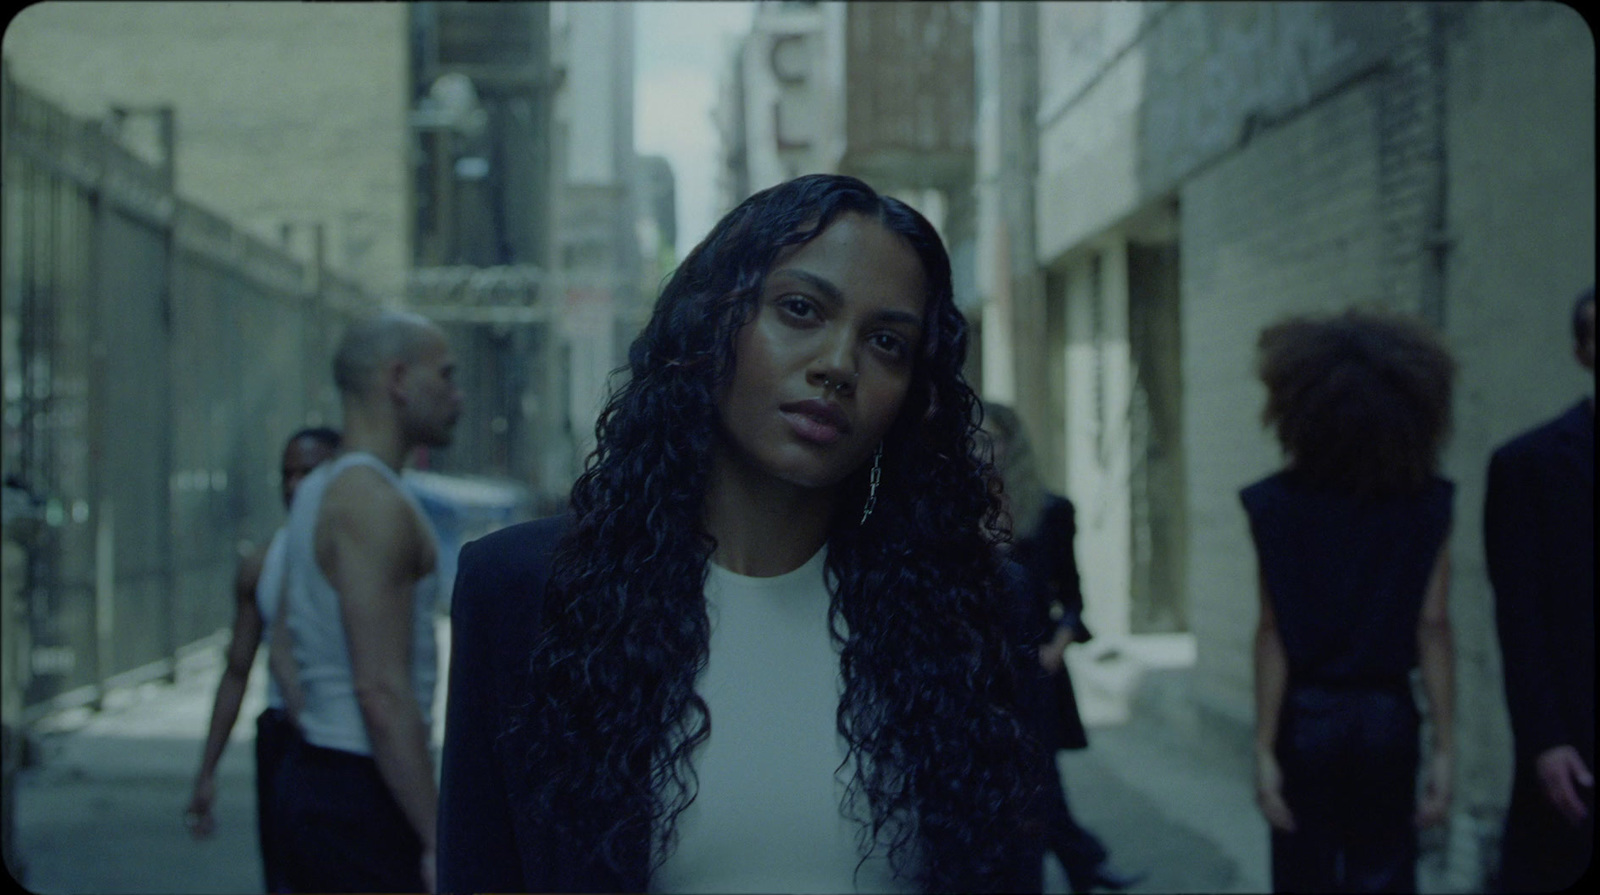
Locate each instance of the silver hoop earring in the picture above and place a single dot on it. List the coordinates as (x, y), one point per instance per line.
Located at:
(872, 485)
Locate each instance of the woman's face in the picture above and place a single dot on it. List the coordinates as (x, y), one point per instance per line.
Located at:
(822, 370)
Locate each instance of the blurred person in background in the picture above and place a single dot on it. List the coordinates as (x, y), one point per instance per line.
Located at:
(257, 596)
(1538, 523)
(766, 650)
(357, 792)
(1041, 529)
(1354, 569)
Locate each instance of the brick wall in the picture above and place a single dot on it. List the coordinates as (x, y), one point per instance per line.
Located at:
(1520, 149)
(1431, 158)
(285, 112)
(1286, 224)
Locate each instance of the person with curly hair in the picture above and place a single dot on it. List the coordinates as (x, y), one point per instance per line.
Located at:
(766, 649)
(1353, 572)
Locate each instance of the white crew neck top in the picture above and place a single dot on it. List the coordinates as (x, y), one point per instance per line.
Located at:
(768, 814)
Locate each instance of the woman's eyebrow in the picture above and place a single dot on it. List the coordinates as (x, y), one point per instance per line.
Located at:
(905, 318)
(831, 293)
(821, 284)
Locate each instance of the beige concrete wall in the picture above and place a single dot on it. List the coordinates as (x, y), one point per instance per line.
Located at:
(1297, 140)
(285, 112)
(595, 38)
(1097, 387)
(1521, 95)
(992, 263)
(1134, 98)
(596, 202)
(1091, 85)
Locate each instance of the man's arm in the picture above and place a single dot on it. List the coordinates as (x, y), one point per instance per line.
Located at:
(1512, 551)
(1272, 680)
(230, 693)
(1512, 541)
(369, 544)
(1436, 660)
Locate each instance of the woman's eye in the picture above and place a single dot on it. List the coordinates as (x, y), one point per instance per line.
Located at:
(892, 345)
(797, 306)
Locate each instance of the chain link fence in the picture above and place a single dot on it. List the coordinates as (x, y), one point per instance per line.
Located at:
(155, 357)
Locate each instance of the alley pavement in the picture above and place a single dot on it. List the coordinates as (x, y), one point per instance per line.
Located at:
(100, 809)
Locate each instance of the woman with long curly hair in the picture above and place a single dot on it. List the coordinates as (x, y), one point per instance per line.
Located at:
(766, 649)
(1354, 581)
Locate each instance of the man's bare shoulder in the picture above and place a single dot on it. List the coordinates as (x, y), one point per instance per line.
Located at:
(363, 498)
(366, 518)
(360, 482)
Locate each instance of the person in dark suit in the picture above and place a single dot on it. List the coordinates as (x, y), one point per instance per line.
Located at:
(1539, 542)
(766, 649)
(1049, 603)
(1353, 566)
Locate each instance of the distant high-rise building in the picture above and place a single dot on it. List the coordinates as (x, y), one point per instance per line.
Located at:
(658, 224)
(481, 94)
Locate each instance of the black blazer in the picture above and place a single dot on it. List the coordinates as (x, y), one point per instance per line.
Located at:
(1048, 555)
(1539, 542)
(495, 612)
(1051, 597)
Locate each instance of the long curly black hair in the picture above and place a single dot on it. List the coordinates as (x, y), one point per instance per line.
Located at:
(942, 767)
(1360, 400)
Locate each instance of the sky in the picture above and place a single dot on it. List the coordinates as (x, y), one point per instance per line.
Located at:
(679, 48)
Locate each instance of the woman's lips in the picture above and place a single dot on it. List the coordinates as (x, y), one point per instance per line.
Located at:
(815, 421)
(811, 429)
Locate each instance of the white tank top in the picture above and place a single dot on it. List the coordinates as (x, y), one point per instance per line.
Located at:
(331, 717)
(269, 590)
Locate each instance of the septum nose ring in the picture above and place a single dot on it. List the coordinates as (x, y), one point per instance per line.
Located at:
(837, 385)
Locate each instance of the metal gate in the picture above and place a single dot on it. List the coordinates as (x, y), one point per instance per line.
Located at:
(155, 357)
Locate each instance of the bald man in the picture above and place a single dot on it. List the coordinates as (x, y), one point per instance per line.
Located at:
(357, 794)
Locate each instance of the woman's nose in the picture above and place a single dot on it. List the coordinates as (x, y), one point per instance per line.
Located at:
(835, 367)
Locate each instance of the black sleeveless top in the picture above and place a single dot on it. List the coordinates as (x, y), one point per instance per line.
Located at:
(1347, 576)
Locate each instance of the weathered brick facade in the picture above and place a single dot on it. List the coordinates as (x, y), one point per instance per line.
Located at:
(286, 113)
(1285, 224)
(1436, 159)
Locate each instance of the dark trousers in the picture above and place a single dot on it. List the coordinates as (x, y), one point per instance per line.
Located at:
(1080, 852)
(1349, 759)
(275, 734)
(342, 830)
